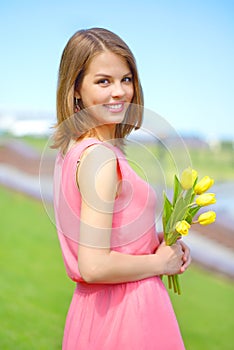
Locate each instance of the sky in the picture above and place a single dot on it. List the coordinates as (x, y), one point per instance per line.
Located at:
(184, 51)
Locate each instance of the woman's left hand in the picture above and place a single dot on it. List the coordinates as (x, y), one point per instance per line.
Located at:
(186, 257)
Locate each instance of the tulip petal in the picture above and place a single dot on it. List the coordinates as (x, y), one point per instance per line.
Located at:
(203, 185)
(207, 218)
(182, 227)
(188, 177)
(206, 199)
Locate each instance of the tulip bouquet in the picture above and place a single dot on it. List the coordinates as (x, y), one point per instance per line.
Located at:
(188, 198)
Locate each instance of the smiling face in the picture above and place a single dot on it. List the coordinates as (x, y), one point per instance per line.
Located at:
(107, 87)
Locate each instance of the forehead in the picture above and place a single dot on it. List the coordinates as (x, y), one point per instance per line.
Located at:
(107, 61)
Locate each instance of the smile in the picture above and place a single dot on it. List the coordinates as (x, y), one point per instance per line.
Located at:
(117, 107)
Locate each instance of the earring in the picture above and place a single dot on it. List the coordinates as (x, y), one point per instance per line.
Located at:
(76, 103)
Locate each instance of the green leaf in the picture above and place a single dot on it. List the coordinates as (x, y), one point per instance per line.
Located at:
(177, 189)
(179, 211)
(172, 237)
(188, 196)
(193, 193)
(191, 213)
(195, 182)
(167, 210)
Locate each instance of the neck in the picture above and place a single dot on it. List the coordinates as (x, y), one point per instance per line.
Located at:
(105, 132)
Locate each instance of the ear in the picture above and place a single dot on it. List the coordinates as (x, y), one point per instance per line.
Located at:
(77, 95)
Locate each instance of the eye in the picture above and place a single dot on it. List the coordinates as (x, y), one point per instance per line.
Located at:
(103, 81)
(127, 79)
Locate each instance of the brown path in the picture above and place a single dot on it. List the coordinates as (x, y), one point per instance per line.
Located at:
(23, 157)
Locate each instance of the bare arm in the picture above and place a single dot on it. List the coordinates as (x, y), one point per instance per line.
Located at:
(97, 181)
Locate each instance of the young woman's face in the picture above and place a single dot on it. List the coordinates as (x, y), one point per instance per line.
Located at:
(107, 87)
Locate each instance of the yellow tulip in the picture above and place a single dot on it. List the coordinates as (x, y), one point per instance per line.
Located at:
(206, 199)
(182, 227)
(203, 185)
(207, 218)
(188, 177)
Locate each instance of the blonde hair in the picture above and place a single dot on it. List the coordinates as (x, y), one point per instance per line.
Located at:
(82, 47)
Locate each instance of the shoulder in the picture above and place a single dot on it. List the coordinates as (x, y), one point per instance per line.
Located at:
(90, 151)
(97, 156)
(98, 164)
(97, 177)
(98, 151)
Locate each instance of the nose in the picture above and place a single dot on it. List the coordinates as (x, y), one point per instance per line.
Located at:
(117, 90)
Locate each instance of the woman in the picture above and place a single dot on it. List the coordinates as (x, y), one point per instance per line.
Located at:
(105, 213)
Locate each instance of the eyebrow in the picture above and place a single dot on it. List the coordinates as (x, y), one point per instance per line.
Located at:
(109, 76)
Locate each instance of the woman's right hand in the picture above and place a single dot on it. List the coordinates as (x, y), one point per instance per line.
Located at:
(171, 258)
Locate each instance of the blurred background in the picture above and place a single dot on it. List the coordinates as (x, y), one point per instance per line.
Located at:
(185, 53)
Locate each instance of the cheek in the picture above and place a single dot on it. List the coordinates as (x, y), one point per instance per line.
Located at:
(92, 96)
(98, 95)
(130, 94)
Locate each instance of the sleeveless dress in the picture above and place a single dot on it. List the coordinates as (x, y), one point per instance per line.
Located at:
(123, 316)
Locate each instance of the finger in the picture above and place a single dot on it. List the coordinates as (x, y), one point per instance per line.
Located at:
(186, 250)
(186, 264)
(178, 248)
(183, 245)
(186, 254)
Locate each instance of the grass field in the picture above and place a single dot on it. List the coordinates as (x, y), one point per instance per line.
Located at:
(159, 163)
(35, 292)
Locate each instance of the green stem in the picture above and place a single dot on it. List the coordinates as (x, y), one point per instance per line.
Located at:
(191, 204)
(169, 282)
(178, 284)
(174, 284)
(173, 281)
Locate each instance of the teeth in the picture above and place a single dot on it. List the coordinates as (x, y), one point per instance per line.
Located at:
(115, 106)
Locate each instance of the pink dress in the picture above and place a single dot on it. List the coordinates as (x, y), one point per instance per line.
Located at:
(135, 315)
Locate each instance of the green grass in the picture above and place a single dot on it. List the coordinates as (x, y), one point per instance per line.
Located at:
(37, 142)
(157, 164)
(205, 310)
(35, 292)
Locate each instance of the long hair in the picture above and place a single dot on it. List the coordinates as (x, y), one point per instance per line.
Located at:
(81, 48)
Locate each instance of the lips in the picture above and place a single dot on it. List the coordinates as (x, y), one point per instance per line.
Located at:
(115, 107)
